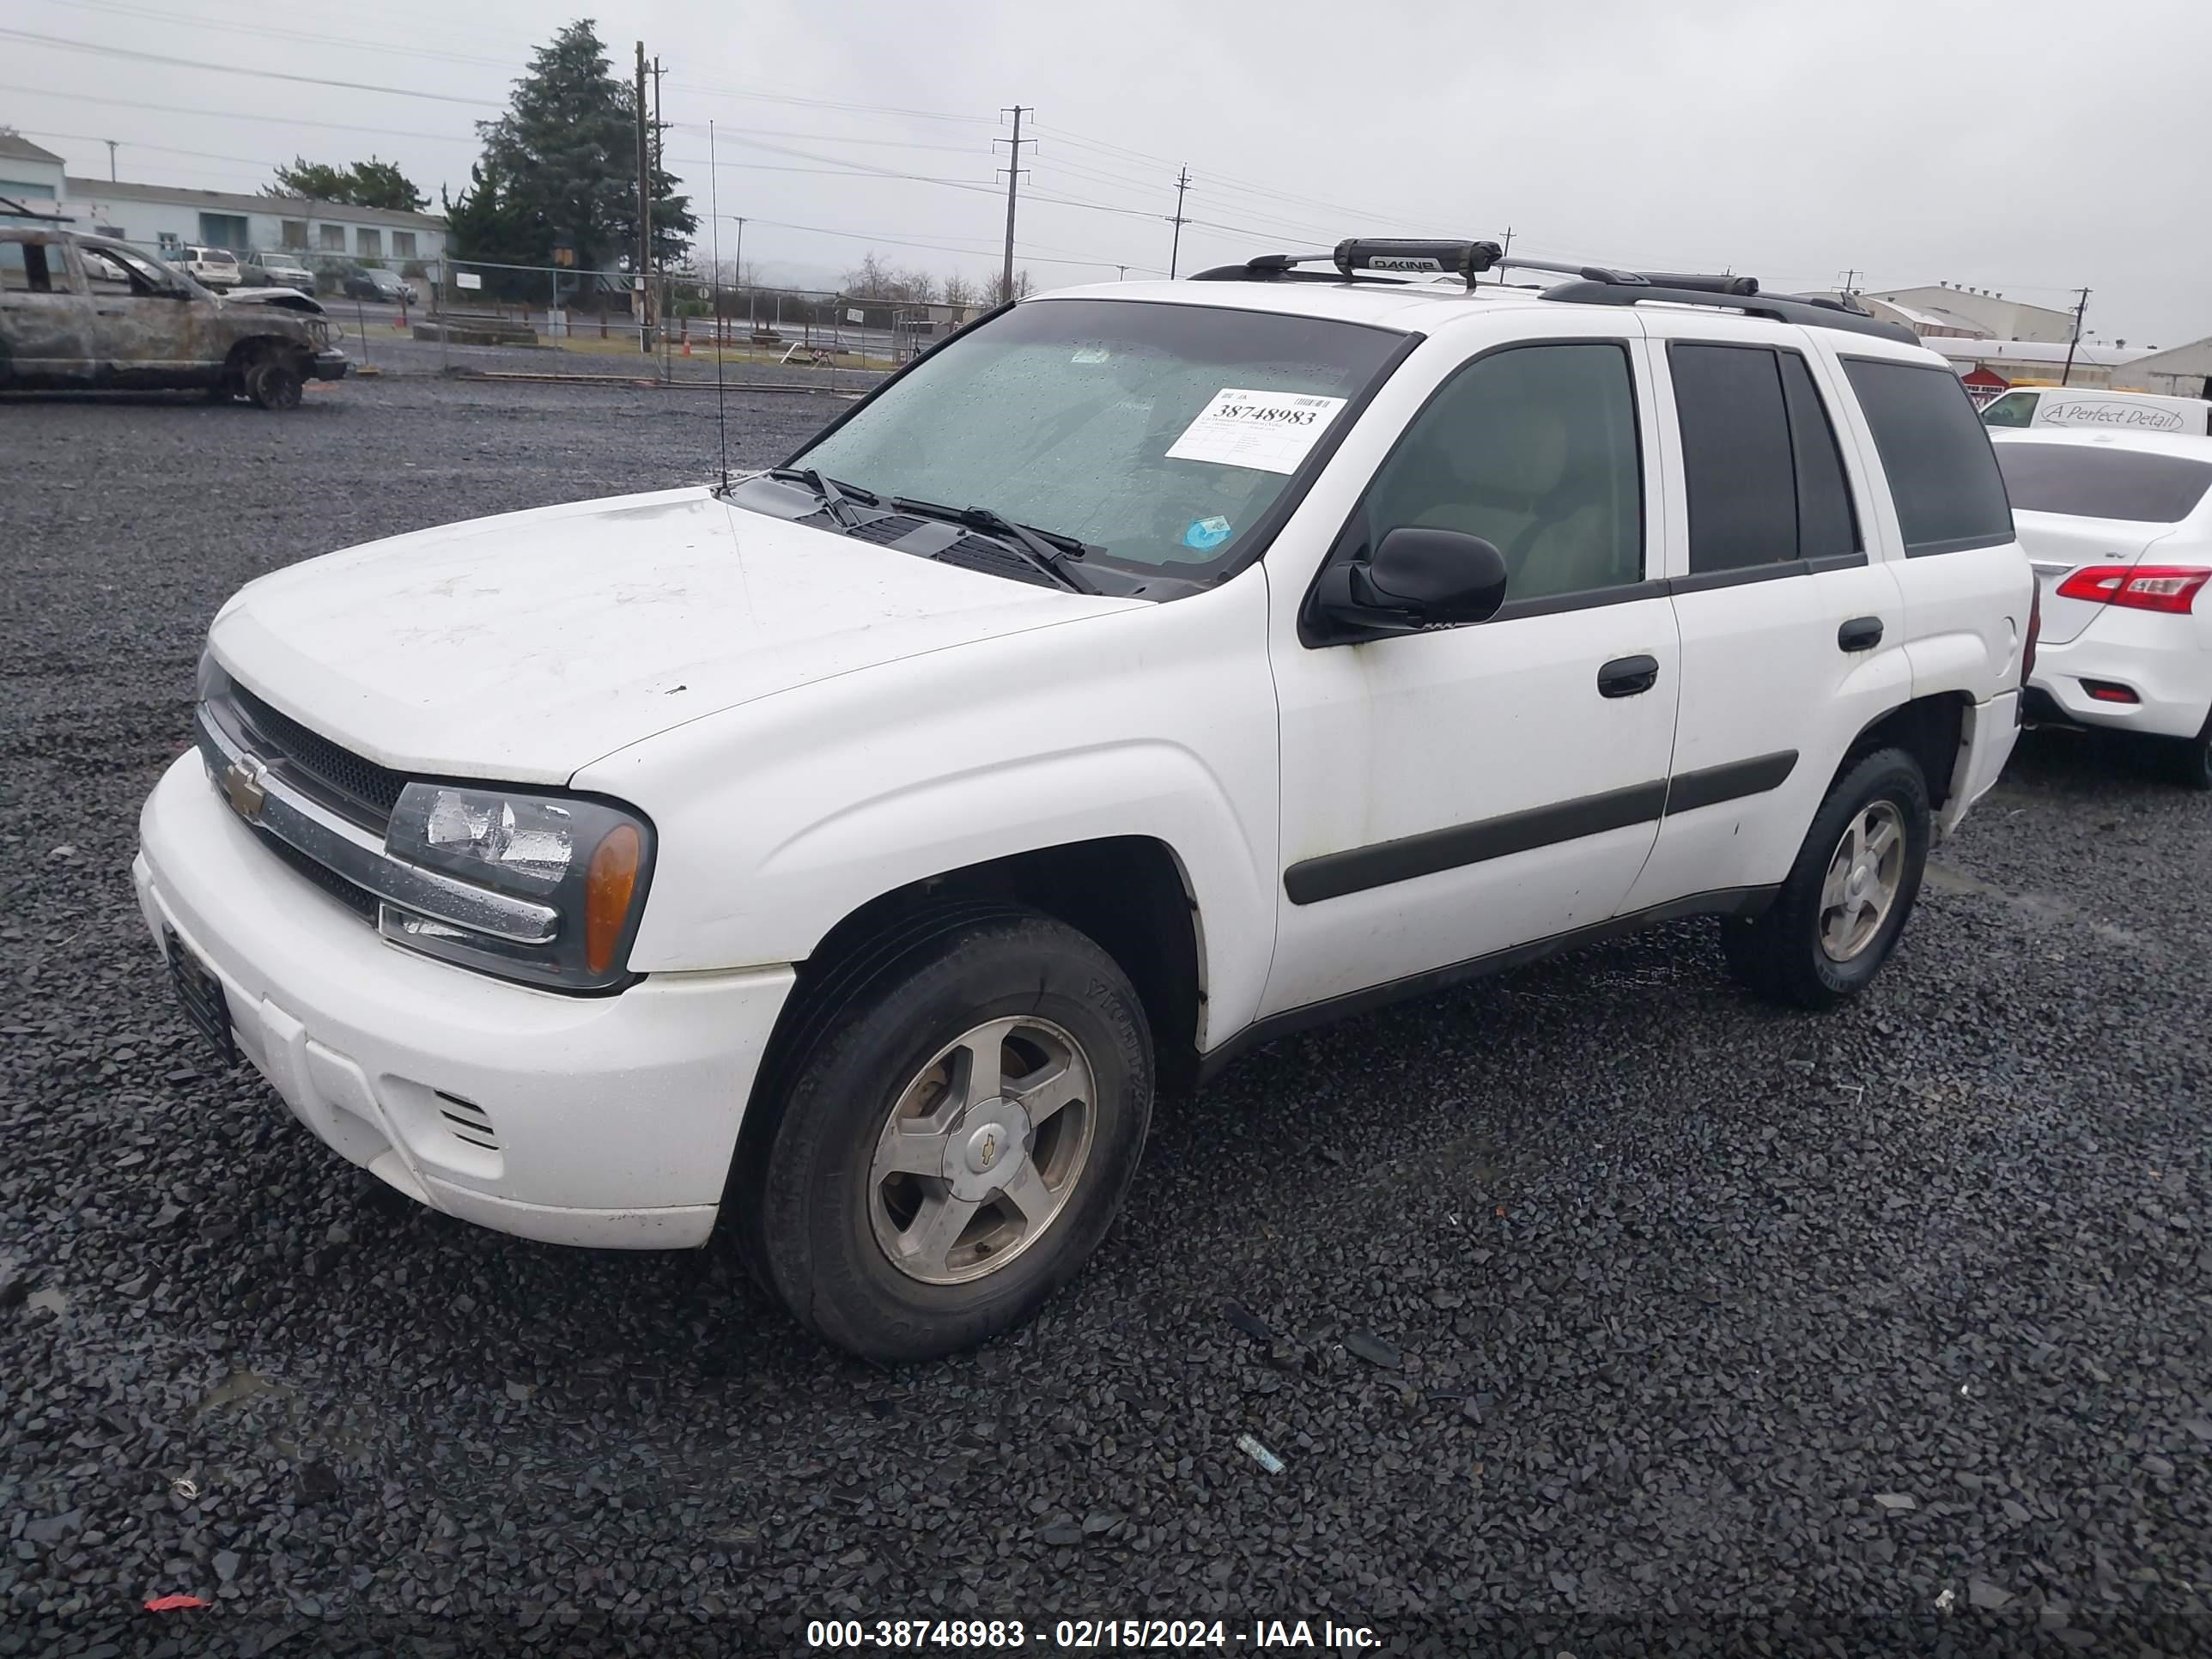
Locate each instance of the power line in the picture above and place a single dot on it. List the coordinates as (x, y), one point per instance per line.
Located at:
(234, 69)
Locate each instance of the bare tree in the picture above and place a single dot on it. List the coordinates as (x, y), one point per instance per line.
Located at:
(1021, 288)
(960, 290)
(872, 277)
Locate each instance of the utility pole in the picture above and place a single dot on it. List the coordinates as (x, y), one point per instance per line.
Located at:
(1013, 179)
(111, 160)
(1175, 252)
(738, 268)
(660, 265)
(2079, 311)
(644, 261)
(1504, 248)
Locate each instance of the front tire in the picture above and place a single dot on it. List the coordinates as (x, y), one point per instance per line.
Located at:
(2192, 760)
(951, 1135)
(274, 383)
(1846, 899)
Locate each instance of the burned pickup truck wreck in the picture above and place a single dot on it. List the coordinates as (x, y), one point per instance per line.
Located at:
(88, 312)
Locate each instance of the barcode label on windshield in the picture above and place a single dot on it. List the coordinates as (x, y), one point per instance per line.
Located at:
(1270, 431)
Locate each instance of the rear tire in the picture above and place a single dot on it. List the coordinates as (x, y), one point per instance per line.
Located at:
(1839, 913)
(949, 1135)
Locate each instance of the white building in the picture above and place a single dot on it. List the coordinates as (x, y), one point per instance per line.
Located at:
(2182, 371)
(160, 216)
(29, 176)
(1961, 313)
(2040, 362)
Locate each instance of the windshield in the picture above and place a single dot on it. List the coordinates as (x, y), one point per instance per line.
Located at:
(2012, 408)
(1158, 434)
(2092, 482)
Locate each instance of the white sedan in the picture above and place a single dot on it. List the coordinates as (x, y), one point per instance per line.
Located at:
(2118, 526)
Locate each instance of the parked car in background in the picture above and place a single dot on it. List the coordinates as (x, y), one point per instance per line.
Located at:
(277, 267)
(2118, 526)
(88, 312)
(2098, 410)
(371, 283)
(210, 267)
(597, 871)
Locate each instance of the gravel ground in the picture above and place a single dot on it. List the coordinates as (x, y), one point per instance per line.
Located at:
(1592, 1309)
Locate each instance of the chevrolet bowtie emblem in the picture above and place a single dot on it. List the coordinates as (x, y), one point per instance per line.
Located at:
(241, 787)
(990, 1150)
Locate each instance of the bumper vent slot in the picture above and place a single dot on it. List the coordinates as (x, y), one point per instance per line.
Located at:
(467, 1121)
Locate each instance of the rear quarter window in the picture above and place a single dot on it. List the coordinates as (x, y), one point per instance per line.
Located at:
(1943, 480)
(2090, 481)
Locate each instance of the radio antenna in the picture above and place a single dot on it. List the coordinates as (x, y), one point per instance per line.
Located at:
(715, 288)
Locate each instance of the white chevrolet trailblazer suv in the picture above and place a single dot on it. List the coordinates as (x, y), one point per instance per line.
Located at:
(855, 849)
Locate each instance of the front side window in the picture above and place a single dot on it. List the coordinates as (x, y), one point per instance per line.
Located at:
(1765, 477)
(2093, 481)
(113, 269)
(1160, 435)
(1936, 451)
(2012, 408)
(1533, 449)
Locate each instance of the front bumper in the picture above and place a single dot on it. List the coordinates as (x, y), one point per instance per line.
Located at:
(331, 364)
(611, 1120)
(2161, 659)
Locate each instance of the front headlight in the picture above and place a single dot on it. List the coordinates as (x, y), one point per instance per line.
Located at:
(588, 860)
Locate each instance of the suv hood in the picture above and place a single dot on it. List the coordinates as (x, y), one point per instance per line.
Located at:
(523, 647)
(290, 298)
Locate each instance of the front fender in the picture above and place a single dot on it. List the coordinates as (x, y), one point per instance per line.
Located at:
(779, 819)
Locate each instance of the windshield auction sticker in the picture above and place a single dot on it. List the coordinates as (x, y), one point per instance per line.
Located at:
(1270, 431)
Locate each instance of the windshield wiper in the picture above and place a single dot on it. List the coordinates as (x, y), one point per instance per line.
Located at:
(1047, 550)
(832, 493)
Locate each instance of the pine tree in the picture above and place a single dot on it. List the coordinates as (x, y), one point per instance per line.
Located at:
(365, 184)
(563, 163)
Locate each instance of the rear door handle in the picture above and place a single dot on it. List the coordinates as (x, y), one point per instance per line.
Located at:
(1626, 677)
(1859, 634)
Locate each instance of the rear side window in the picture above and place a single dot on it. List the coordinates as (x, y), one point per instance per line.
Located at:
(2087, 481)
(1765, 479)
(34, 268)
(1948, 494)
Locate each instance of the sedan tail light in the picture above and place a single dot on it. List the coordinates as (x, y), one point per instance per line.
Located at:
(2167, 587)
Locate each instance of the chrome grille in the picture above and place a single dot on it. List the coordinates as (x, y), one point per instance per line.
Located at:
(358, 789)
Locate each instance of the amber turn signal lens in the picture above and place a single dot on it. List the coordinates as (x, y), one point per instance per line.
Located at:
(607, 889)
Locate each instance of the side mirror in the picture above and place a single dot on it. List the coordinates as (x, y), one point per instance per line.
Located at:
(1417, 578)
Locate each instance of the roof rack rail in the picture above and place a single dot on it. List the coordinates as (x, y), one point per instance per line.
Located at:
(1374, 260)
(1779, 308)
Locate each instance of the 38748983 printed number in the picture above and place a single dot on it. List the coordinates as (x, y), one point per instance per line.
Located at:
(1078, 1635)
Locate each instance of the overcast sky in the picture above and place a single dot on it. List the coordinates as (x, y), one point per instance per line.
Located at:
(2027, 146)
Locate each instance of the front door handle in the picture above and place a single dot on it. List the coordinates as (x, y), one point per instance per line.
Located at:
(1625, 677)
(1859, 634)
